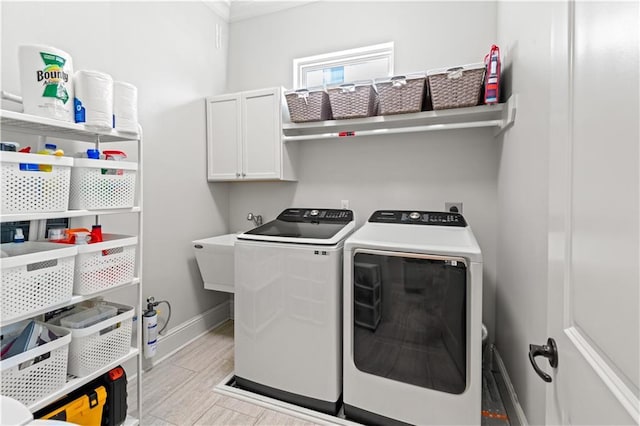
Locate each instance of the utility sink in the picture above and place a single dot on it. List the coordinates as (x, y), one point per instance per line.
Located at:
(215, 260)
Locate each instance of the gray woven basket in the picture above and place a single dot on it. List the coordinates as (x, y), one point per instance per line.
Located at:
(308, 105)
(400, 95)
(456, 87)
(353, 101)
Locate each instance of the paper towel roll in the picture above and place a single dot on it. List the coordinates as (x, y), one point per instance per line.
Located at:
(125, 107)
(93, 99)
(46, 75)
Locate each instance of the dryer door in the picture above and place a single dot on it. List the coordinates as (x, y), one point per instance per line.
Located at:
(410, 318)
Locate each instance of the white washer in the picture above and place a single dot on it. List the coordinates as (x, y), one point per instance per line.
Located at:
(288, 307)
(413, 320)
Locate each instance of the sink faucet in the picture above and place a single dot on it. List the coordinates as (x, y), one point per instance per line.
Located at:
(257, 219)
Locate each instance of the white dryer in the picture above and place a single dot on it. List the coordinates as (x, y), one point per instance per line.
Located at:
(413, 320)
(288, 307)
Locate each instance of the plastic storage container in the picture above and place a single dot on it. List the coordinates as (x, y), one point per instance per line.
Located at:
(308, 105)
(35, 275)
(456, 87)
(115, 409)
(367, 295)
(28, 189)
(82, 407)
(35, 374)
(367, 316)
(401, 94)
(106, 264)
(89, 317)
(353, 100)
(102, 184)
(96, 346)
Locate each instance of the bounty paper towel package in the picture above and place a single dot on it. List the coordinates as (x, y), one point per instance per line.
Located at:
(46, 82)
(93, 100)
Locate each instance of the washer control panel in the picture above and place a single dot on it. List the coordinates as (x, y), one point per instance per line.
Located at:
(317, 215)
(408, 217)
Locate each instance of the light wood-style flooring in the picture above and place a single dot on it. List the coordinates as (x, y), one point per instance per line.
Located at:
(180, 390)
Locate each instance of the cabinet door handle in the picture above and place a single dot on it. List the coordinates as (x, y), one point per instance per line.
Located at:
(244, 175)
(237, 175)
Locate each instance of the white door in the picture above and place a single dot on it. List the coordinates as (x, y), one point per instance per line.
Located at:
(594, 226)
(262, 134)
(224, 132)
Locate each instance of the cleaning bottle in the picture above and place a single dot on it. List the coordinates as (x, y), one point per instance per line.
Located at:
(49, 149)
(18, 237)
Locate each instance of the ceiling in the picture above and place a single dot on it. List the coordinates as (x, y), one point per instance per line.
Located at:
(238, 10)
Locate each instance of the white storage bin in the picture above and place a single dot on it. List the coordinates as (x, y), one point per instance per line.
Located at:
(31, 190)
(100, 266)
(35, 275)
(39, 372)
(102, 184)
(100, 344)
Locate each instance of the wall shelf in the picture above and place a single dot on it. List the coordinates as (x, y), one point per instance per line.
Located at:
(74, 300)
(40, 126)
(17, 217)
(498, 116)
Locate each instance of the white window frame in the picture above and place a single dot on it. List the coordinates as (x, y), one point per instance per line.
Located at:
(301, 66)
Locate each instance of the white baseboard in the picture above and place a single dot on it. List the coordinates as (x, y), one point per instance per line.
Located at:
(512, 392)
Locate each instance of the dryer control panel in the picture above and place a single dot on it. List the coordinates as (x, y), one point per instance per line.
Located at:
(408, 217)
(316, 215)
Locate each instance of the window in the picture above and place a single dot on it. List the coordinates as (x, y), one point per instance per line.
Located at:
(344, 66)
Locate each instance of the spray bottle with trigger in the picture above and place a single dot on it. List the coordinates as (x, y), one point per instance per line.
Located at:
(150, 328)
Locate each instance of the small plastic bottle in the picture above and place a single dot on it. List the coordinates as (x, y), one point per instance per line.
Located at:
(49, 149)
(93, 154)
(18, 237)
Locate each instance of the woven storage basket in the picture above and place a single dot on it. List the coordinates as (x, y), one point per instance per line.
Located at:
(102, 184)
(100, 344)
(46, 374)
(308, 105)
(353, 100)
(26, 189)
(35, 275)
(456, 87)
(104, 265)
(401, 94)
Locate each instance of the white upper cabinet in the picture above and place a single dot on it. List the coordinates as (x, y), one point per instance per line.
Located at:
(224, 150)
(244, 137)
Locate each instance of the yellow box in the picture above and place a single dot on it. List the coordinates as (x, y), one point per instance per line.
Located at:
(85, 409)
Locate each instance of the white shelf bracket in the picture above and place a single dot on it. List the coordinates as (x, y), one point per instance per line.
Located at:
(508, 114)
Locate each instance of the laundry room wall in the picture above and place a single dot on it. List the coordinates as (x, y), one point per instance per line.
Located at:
(409, 171)
(524, 32)
(167, 50)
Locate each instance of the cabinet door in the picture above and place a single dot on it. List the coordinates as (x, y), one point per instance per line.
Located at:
(262, 134)
(224, 133)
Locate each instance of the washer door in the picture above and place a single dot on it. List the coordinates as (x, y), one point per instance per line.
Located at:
(410, 318)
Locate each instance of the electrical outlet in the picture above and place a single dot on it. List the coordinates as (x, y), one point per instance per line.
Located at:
(344, 204)
(448, 205)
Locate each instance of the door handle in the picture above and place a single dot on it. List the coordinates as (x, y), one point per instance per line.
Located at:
(549, 351)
